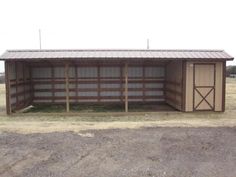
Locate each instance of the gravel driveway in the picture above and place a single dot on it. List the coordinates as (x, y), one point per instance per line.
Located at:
(167, 152)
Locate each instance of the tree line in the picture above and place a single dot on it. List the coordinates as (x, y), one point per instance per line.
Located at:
(230, 70)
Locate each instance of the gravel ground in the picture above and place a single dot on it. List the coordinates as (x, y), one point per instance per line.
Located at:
(167, 152)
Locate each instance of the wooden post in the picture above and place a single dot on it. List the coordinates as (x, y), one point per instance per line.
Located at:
(183, 86)
(31, 84)
(121, 84)
(99, 82)
(224, 86)
(126, 87)
(76, 83)
(16, 77)
(24, 82)
(67, 87)
(53, 82)
(8, 88)
(143, 79)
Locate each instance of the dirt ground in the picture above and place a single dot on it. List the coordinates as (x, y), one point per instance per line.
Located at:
(162, 144)
(156, 152)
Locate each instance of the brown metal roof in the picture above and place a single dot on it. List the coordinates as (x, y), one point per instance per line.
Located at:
(111, 54)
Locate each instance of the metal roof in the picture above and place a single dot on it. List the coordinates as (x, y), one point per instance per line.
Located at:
(111, 54)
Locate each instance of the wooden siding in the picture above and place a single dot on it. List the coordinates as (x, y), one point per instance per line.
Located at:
(173, 84)
(18, 86)
(204, 86)
(99, 82)
(219, 84)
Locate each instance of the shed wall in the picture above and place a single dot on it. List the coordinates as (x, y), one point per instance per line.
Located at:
(219, 84)
(18, 87)
(173, 87)
(89, 82)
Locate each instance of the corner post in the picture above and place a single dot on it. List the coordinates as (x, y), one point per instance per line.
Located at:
(8, 88)
(224, 85)
(17, 82)
(67, 87)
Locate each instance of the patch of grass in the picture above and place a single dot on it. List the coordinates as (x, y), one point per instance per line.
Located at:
(86, 108)
(97, 108)
(46, 108)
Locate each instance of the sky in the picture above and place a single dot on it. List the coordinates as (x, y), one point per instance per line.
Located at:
(118, 24)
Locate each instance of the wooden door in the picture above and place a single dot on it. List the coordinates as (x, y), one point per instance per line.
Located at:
(204, 87)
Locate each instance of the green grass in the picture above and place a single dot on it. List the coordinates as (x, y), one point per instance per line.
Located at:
(97, 108)
(76, 108)
(46, 108)
(93, 108)
(86, 108)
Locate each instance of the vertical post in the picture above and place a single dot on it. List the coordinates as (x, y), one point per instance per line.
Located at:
(76, 82)
(223, 85)
(40, 47)
(53, 82)
(183, 86)
(8, 88)
(99, 82)
(16, 82)
(121, 84)
(126, 87)
(67, 87)
(31, 84)
(143, 80)
(165, 81)
(24, 82)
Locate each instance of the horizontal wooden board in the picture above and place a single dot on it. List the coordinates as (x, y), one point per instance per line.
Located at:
(96, 97)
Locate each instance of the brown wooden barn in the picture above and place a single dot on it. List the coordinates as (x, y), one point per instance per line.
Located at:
(187, 80)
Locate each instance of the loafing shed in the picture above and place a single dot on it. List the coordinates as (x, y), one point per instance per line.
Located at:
(187, 80)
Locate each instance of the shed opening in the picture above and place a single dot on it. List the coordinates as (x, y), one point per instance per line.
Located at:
(96, 86)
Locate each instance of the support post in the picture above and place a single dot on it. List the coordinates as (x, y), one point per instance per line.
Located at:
(143, 80)
(16, 77)
(8, 88)
(31, 84)
(121, 84)
(183, 86)
(224, 86)
(24, 82)
(76, 83)
(126, 86)
(67, 87)
(53, 82)
(99, 82)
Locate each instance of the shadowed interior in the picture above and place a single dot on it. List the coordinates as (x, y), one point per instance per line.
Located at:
(95, 83)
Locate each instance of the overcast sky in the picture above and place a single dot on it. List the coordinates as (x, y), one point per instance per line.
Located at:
(76, 24)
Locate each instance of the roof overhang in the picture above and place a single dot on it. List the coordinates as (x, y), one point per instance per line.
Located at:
(160, 55)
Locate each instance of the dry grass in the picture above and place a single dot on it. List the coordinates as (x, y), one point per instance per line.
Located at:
(2, 99)
(41, 122)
